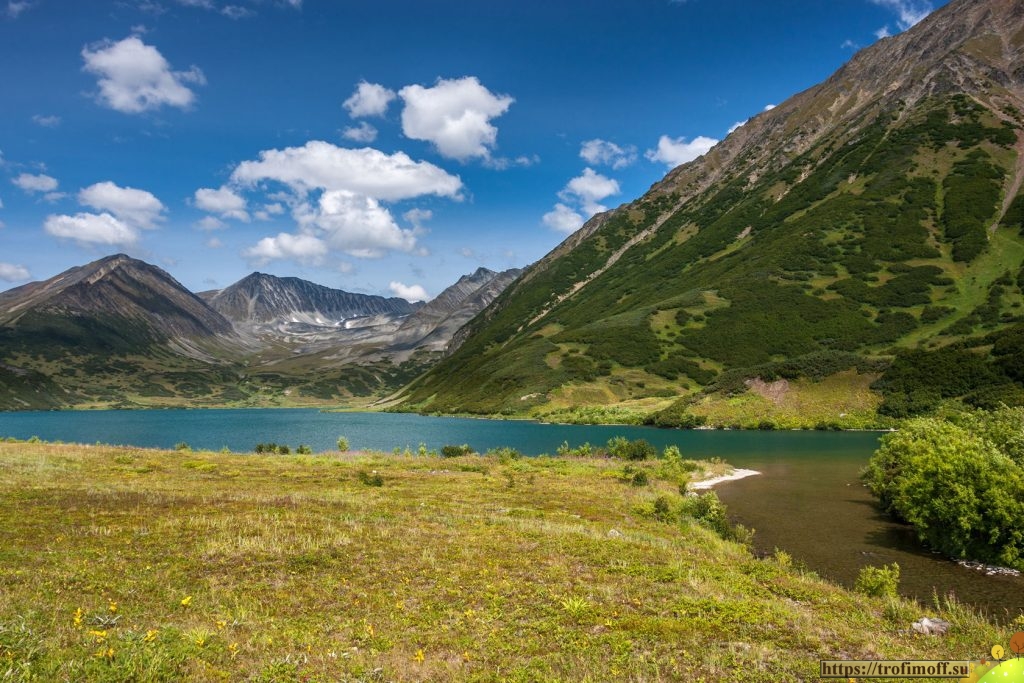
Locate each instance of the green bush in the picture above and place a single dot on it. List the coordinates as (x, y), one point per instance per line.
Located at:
(342, 444)
(455, 451)
(303, 449)
(878, 582)
(962, 494)
(621, 447)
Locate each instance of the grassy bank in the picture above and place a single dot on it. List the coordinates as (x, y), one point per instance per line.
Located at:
(128, 564)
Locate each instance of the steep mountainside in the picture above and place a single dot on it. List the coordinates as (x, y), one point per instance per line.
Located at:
(873, 217)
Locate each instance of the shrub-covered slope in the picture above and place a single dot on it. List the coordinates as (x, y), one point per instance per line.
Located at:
(873, 213)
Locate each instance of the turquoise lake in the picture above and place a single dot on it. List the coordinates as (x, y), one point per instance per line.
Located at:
(807, 501)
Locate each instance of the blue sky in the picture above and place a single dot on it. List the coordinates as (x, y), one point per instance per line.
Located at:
(383, 147)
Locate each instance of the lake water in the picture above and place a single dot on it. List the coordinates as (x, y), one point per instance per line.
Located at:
(807, 501)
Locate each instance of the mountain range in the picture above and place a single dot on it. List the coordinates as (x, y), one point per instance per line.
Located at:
(851, 256)
(122, 332)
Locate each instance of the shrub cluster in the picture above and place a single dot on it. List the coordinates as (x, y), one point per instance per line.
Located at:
(959, 487)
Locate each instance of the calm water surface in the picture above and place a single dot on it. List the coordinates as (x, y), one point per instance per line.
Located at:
(807, 501)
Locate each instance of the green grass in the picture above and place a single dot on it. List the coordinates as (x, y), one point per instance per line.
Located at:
(128, 564)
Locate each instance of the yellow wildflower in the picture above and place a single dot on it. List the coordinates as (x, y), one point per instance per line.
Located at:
(150, 635)
(78, 617)
(100, 636)
(465, 656)
(221, 623)
(186, 601)
(369, 630)
(233, 649)
(112, 607)
(419, 656)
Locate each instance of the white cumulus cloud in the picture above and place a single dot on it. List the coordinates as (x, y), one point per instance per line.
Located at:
(11, 272)
(563, 219)
(408, 292)
(606, 153)
(364, 132)
(581, 199)
(90, 228)
(135, 77)
(355, 224)
(366, 171)
(454, 115)
(35, 183)
(223, 201)
(588, 189)
(301, 248)
(209, 223)
(675, 151)
(369, 99)
(134, 207)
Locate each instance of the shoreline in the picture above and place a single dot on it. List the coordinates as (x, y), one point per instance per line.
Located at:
(707, 484)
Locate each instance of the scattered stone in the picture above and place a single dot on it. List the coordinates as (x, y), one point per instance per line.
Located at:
(614, 533)
(930, 627)
(990, 570)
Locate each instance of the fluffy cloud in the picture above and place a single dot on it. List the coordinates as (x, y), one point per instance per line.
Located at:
(364, 132)
(454, 115)
(89, 228)
(675, 151)
(133, 207)
(11, 272)
(369, 99)
(35, 183)
(909, 12)
(588, 189)
(223, 201)
(355, 224)
(408, 292)
(607, 153)
(581, 198)
(562, 219)
(135, 77)
(367, 171)
(301, 248)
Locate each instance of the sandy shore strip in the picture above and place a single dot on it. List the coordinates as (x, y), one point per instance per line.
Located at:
(733, 476)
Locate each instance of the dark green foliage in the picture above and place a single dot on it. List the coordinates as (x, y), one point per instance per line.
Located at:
(676, 365)
(963, 496)
(918, 379)
(632, 345)
(675, 417)
(931, 314)
(455, 451)
(640, 449)
(1014, 216)
(304, 449)
(272, 449)
(971, 198)
(907, 289)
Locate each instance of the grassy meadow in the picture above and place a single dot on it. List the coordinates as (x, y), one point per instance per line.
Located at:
(125, 564)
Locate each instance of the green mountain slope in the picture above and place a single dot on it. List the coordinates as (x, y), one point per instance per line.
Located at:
(874, 213)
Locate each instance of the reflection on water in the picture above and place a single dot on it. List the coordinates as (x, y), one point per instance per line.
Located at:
(817, 510)
(808, 500)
